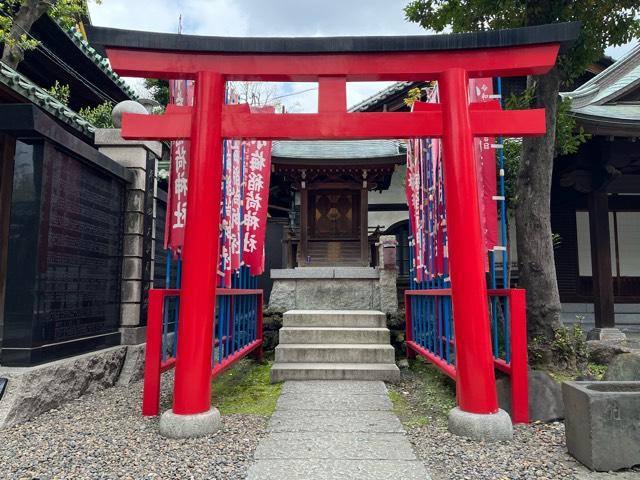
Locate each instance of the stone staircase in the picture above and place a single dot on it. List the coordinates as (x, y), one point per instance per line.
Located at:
(334, 345)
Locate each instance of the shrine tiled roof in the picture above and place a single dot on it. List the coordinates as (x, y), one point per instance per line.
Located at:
(610, 101)
(99, 60)
(41, 98)
(381, 96)
(338, 149)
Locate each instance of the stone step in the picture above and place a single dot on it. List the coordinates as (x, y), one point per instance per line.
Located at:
(388, 372)
(324, 469)
(335, 318)
(334, 353)
(325, 335)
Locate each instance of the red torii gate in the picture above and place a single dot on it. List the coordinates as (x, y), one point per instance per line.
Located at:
(332, 62)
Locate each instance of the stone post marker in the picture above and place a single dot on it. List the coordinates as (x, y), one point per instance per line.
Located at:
(141, 159)
(388, 273)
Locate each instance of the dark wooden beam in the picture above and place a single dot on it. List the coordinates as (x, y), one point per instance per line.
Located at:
(7, 152)
(304, 225)
(601, 259)
(364, 225)
(624, 184)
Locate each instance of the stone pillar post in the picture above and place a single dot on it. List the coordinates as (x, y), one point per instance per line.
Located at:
(141, 159)
(388, 273)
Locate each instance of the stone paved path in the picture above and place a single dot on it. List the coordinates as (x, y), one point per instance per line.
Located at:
(329, 430)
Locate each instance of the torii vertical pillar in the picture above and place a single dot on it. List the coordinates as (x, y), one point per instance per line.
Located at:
(192, 415)
(477, 415)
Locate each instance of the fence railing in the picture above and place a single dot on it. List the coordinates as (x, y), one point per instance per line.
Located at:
(430, 334)
(237, 332)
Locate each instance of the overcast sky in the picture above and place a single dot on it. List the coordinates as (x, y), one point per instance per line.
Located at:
(270, 18)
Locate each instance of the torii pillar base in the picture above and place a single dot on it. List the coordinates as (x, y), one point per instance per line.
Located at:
(492, 427)
(189, 426)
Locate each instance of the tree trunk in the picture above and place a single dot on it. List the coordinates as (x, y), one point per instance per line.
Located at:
(30, 11)
(533, 217)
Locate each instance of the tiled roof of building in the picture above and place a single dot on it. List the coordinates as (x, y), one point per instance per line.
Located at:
(40, 97)
(339, 149)
(602, 99)
(382, 95)
(99, 60)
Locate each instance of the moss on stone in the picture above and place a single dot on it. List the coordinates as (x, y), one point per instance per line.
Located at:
(423, 396)
(245, 389)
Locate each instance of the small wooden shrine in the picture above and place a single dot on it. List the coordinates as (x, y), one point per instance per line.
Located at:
(330, 183)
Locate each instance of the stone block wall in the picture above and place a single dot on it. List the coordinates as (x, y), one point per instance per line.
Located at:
(141, 159)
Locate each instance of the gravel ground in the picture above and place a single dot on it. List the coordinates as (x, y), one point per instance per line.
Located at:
(537, 452)
(104, 436)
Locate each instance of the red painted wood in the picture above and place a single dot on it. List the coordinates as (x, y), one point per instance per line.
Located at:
(318, 126)
(517, 368)
(231, 359)
(501, 365)
(443, 366)
(432, 292)
(259, 354)
(408, 324)
(508, 123)
(389, 66)
(519, 361)
(153, 355)
(192, 387)
(476, 386)
(332, 94)
(237, 291)
(168, 365)
(171, 126)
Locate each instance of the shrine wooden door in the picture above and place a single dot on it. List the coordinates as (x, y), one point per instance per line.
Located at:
(334, 227)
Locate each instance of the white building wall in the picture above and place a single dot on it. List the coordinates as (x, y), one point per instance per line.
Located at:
(393, 195)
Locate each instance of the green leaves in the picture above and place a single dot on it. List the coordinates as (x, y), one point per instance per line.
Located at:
(68, 12)
(99, 116)
(414, 95)
(60, 92)
(24, 13)
(569, 136)
(604, 22)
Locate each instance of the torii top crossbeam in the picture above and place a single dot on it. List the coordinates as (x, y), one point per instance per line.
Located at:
(332, 62)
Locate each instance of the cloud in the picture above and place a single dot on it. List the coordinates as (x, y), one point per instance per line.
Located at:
(258, 17)
(272, 18)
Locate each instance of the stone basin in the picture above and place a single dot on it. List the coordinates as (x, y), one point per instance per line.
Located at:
(602, 423)
(615, 387)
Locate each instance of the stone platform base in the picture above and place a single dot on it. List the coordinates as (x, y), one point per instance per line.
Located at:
(189, 426)
(32, 391)
(607, 335)
(326, 288)
(484, 428)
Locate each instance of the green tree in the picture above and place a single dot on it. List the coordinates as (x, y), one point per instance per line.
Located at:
(99, 116)
(18, 16)
(604, 23)
(159, 89)
(60, 92)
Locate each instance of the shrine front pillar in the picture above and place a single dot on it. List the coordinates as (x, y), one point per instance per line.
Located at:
(192, 415)
(477, 415)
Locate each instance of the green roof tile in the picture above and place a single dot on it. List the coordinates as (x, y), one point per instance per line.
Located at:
(39, 96)
(99, 60)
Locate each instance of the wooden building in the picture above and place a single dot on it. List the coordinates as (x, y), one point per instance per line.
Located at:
(596, 201)
(330, 184)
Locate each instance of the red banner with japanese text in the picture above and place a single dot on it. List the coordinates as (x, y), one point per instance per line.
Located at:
(257, 168)
(481, 90)
(412, 191)
(181, 93)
